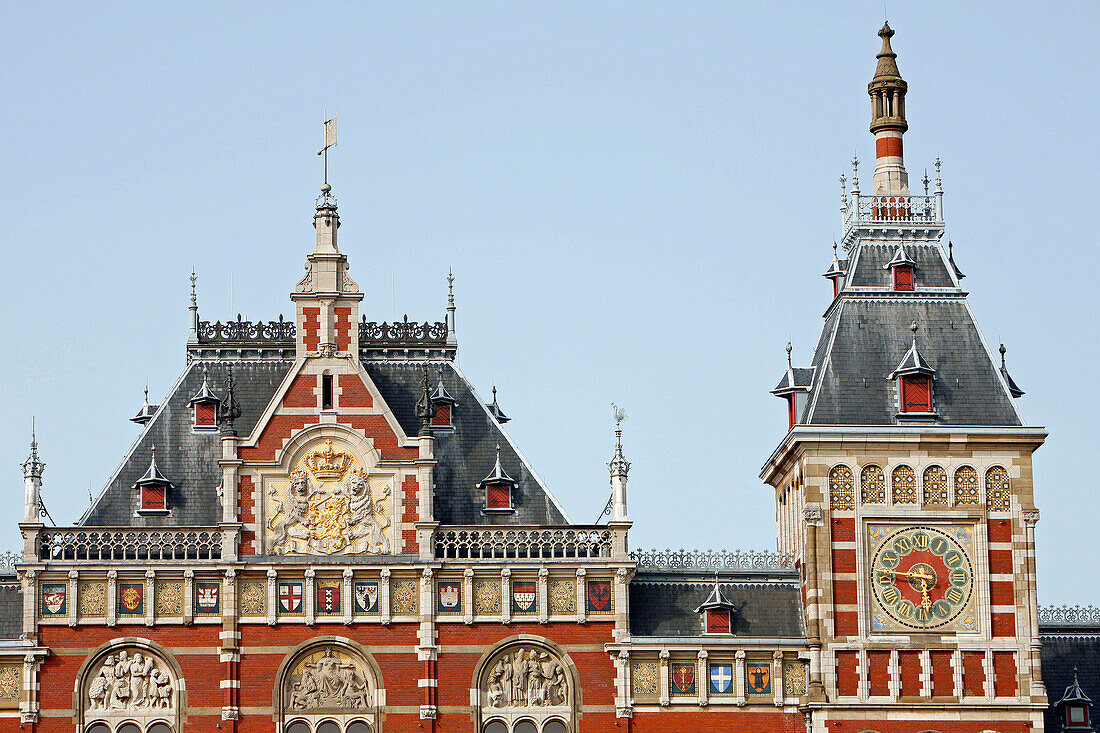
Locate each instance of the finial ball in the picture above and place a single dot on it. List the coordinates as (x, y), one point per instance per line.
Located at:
(325, 188)
(913, 327)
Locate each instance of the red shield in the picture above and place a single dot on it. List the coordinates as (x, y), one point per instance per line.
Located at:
(683, 677)
(329, 598)
(131, 597)
(599, 595)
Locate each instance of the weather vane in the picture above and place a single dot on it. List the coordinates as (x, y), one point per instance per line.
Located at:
(330, 141)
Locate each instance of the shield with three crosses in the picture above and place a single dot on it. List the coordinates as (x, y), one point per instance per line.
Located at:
(328, 596)
(721, 678)
(290, 597)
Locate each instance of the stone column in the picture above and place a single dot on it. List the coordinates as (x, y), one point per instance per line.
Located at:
(505, 596)
(348, 601)
(665, 692)
(230, 650)
(544, 603)
(112, 597)
(272, 597)
(188, 596)
(738, 677)
(1038, 689)
(73, 599)
(702, 678)
(468, 596)
(777, 678)
(309, 593)
(384, 596)
(582, 606)
(623, 703)
(813, 518)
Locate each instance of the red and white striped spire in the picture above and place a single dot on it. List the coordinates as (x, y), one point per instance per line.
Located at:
(887, 90)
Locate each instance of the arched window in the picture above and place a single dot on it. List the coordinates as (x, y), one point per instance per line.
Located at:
(966, 486)
(935, 485)
(130, 688)
(872, 485)
(904, 484)
(328, 686)
(841, 489)
(996, 489)
(525, 686)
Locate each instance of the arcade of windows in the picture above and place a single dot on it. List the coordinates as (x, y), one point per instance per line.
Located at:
(934, 487)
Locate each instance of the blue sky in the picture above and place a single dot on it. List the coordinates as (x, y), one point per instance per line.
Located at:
(637, 199)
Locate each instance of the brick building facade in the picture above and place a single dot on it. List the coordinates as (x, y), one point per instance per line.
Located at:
(323, 528)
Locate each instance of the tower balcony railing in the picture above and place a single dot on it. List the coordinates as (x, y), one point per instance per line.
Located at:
(282, 332)
(570, 542)
(893, 210)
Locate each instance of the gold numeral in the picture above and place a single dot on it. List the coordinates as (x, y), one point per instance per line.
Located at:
(954, 595)
(891, 595)
(922, 614)
(953, 559)
(905, 610)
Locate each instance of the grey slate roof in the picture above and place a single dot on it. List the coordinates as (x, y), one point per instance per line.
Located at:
(11, 606)
(870, 266)
(795, 379)
(866, 336)
(189, 459)
(467, 454)
(663, 605)
(1060, 654)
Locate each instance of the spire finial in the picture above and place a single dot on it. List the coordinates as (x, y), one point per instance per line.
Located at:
(791, 348)
(618, 466)
(855, 174)
(925, 181)
(194, 297)
(330, 141)
(843, 189)
(424, 408)
(33, 466)
(1002, 350)
(913, 327)
(230, 408)
(939, 181)
(147, 386)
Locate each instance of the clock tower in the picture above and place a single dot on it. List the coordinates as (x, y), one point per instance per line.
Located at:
(904, 484)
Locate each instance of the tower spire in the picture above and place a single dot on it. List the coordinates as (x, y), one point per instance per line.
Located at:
(32, 480)
(887, 91)
(193, 332)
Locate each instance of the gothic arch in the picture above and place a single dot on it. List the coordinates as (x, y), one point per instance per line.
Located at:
(558, 688)
(328, 678)
(130, 680)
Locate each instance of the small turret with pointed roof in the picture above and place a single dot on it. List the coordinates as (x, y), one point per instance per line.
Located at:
(1075, 708)
(887, 91)
(33, 468)
(145, 414)
(495, 411)
(1013, 388)
(837, 271)
(913, 362)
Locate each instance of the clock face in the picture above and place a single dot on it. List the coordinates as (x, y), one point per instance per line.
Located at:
(922, 577)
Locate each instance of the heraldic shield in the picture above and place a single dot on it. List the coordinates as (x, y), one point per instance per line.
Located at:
(683, 679)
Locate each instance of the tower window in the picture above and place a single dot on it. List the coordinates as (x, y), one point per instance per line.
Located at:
(718, 621)
(498, 496)
(206, 414)
(442, 414)
(916, 393)
(903, 277)
(152, 497)
(326, 391)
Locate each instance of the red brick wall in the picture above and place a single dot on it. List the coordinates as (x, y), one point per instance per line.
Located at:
(878, 673)
(1001, 592)
(278, 429)
(385, 440)
(302, 392)
(973, 673)
(353, 393)
(1004, 674)
(311, 328)
(943, 681)
(410, 506)
(343, 328)
(909, 666)
(246, 513)
(845, 623)
(847, 672)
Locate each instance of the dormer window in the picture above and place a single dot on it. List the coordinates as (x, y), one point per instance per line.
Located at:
(153, 487)
(717, 612)
(901, 267)
(204, 407)
(499, 490)
(442, 405)
(794, 387)
(1075, 708)
(838, 270)
(914, 383)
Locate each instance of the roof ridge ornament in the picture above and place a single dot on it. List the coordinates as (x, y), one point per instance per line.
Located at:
(230, 409)
(34, 466)
(618, 465)
(1013, 388)
(951, 260)
(913, 362)
(495, 411)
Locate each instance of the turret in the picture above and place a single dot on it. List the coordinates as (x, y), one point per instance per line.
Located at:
(619, 468)
(33, 468)
(887, 90)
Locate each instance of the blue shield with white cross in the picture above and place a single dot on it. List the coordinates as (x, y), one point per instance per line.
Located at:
(721, 678)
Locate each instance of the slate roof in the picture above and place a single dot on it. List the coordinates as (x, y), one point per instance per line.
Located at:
(1062, 651)
(189, 459)
(866, 336)
(11, 606)
(664, 605)
(871, 266)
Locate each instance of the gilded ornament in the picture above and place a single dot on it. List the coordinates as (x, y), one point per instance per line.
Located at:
(92, 599)
(168, 598)
(645, 676)
(253, 598)
(486, 597)
(563, 596)
(794, 679)
(403, 597)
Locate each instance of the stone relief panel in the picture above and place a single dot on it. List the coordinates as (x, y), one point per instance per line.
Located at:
(794, 679)
(525, 676)
(486, 597)
(563, 596)
(92, 599)
(403, 597)
(328, 681)
(168, 598)
(329, 505)
(646, 678)
(129, 681)
(253, 595)
(11, 685)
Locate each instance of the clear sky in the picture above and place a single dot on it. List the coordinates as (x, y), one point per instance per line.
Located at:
(638, 200)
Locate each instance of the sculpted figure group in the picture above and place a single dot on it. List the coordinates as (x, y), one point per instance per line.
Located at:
(329, 683)
(130, 683)
(527, 678)
(329, 521)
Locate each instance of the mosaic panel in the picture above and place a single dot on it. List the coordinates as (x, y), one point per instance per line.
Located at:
(486, 597)
(872, 485)
(935, 485)
(996, 489)
(11, 684)
(403, 597)
(841, 489)
(168, 598)
(794, 679)
(253, 598)
(645, 676)
(966, 486)
(92, 599)
(904, 482)
(563, 596)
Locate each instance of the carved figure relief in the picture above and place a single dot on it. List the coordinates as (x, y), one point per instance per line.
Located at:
(526, 677)
(328, 680)
(329, 505)
(130, 681)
